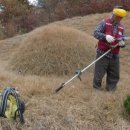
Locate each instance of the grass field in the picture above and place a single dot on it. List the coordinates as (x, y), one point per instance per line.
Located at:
(78, 106)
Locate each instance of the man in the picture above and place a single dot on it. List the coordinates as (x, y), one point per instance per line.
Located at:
(107, 32)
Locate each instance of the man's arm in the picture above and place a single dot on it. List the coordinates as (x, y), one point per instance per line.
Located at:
(99, 32)
(122, 42)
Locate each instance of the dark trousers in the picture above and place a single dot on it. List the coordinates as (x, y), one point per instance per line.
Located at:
(109, 66)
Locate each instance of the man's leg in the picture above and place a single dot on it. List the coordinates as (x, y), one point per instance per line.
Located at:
(100, 70)
(112, 74)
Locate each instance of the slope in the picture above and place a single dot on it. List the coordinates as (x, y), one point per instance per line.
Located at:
(78, 106)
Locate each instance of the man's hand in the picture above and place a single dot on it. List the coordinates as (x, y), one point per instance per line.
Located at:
(110, 38)
(121, 43)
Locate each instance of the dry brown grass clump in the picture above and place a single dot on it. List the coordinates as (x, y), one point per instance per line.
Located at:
(54, 50)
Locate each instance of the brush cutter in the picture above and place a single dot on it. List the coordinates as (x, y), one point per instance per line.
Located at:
(79, 72)
(123, 38)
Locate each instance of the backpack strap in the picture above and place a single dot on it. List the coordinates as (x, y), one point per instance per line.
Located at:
(19, 109)
(5, 94)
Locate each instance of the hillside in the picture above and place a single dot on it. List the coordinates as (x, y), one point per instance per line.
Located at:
(78, 106)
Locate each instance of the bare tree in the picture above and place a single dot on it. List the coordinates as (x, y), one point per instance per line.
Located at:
(49, 6)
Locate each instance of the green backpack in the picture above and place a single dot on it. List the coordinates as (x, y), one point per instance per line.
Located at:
(11, 105)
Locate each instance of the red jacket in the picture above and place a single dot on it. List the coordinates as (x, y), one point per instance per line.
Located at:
(103, 45)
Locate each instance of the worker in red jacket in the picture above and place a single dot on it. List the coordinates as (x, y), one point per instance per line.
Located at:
(107, 32)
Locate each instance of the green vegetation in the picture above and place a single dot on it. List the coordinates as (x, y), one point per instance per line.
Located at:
(127, 104)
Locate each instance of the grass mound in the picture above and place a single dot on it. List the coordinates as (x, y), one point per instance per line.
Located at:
(53, 50)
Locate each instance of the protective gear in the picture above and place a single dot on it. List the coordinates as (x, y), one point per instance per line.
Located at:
(121, 43)
(108, 29)
(119, 12)
(110, 38)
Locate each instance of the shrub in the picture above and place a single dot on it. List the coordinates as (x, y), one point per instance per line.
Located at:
(127, 104)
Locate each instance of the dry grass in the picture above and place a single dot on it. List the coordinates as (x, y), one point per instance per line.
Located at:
(78, 106)
(85, 23)
(53, 49)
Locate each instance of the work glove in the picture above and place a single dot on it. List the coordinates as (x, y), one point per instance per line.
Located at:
(110, 38)
(121, 43)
